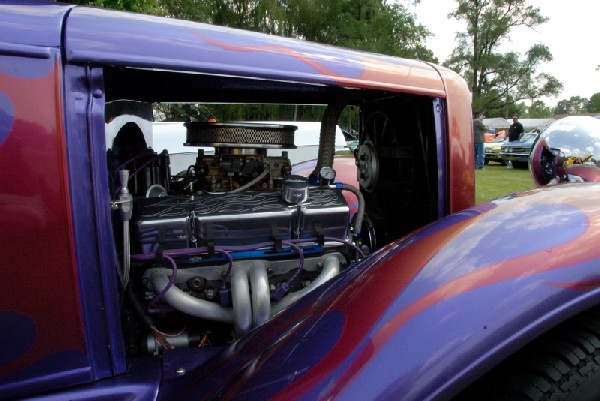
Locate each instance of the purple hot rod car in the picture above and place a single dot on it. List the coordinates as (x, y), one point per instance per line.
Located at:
(239, 278)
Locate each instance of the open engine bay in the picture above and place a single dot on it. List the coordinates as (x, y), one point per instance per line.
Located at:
(207, 253)
(213, 251)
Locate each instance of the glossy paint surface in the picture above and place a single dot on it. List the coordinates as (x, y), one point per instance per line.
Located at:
(460, 170)
(34, 26)
(40, 319)
(139, 384)
(146, 41)
(90, 226)
(423, 317)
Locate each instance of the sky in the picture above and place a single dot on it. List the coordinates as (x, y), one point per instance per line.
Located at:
(570, 34)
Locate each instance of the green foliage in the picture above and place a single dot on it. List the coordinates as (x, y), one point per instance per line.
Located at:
(192, 10)
(594, 103)
(538, 109)
(576, 104)
(371, 25)
(138, 6)
(182, 112)
(235, 112)
(498, 80)
(506, 109)
(235, 13)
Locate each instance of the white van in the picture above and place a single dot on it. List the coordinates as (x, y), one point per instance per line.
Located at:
(172, 136)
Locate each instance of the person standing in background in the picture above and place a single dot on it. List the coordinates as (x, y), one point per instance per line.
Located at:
(479, 139)
(515, 130)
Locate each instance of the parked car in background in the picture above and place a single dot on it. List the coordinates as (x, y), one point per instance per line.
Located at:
(517, 152)
(492, 150)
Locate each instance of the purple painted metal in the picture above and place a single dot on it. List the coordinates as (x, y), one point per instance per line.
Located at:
(363, 336)
(35, 26)
(139, 384)
(359, 336)
(84, 106)
(440, 140)
(146, 41)
(36, 216)
(44, 354)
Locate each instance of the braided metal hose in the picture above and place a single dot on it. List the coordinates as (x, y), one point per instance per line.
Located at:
(328, 129)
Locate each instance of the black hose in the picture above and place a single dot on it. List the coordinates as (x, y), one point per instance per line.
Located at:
(138, 308)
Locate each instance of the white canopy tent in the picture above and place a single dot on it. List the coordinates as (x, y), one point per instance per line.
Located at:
(529, 124)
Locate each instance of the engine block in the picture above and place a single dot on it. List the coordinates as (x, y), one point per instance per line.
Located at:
(244, 218)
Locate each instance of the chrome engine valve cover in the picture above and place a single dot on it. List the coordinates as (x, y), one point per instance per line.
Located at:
(326, 213)
(163, 221)
(242, 218)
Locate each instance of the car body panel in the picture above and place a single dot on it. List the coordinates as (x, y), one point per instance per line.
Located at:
(421, 318)
(140, 40)
(362, 336)
(38, 26)
(34, 206)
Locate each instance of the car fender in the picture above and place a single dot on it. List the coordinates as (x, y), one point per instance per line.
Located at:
(423, 317)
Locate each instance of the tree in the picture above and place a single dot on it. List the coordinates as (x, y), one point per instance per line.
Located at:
(497, 80)
(138, 6)
(192, 10)
(574, 105)
(538, 109)
(371, 25)
(594, 103)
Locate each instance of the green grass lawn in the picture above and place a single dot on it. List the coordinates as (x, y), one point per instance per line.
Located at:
(496, 180)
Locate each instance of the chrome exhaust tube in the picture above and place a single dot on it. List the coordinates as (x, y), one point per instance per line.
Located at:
(240, 295)
(261, 296)
(331, 268)
(250, 294)
(186, 303)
